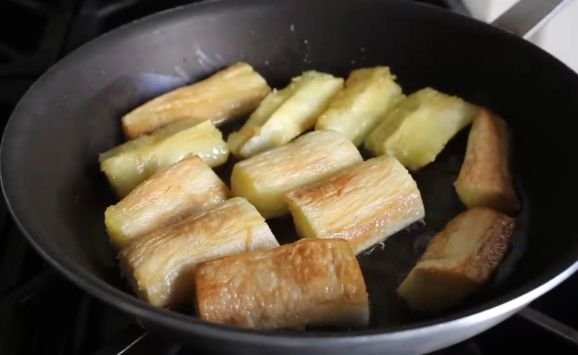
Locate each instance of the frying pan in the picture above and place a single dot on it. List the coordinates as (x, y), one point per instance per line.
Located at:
(57, 195)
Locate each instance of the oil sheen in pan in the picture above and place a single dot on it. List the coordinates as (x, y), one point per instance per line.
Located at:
(385, 265)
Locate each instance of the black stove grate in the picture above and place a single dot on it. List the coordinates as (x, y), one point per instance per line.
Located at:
(32, 33)
(42, 313)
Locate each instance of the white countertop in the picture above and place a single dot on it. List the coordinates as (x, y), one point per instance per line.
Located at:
(559, 36)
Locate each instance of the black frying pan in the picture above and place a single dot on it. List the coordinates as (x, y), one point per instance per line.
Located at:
(57, 195)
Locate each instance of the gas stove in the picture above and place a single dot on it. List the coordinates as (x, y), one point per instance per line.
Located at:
(42, 313)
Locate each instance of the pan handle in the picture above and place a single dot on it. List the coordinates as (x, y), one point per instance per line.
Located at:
(528, 16)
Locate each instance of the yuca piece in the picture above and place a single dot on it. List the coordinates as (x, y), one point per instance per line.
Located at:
(485, 179)
(368, 95)
(161, 265)
(230, 93)
(131, 163)
(420, 126)
(458, 260)
(266, 177)
(309, 282)
(363, 204)
(165, 198)
(285, 114)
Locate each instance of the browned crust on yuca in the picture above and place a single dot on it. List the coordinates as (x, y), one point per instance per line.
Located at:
(495, 235)
(363, 204)
(462, 257)
(264, 178)
(165, 198)
(160, 265)
(182, 103)
(485, 178)
(309, 282)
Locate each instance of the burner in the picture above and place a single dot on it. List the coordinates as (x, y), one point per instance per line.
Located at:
(31, 18)
(42, 28)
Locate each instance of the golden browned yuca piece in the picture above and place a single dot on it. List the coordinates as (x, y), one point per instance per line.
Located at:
(458, 260)
(166, 197)
(228, 94)
(485, 178)
(264, 178)
(420, 126)
(285, 114)
(131, 163)
(161, 265)
(309, 282)
(368, 95)
(363, 204)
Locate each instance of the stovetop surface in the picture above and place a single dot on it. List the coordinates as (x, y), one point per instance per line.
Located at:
(42, 313)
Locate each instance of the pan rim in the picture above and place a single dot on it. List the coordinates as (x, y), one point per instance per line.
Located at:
(554, 275)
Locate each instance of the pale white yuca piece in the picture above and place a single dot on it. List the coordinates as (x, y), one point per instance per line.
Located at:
(266, 177)
(161, 265)
(285, 114)
(363, 204)
(368, 95)
(230, 93)
(309, 282)
(165, 198)
(420, 126)
(485, 179)
(459, 260)
(131, 163)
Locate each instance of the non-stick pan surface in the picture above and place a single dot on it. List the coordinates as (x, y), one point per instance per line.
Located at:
(57, 195)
